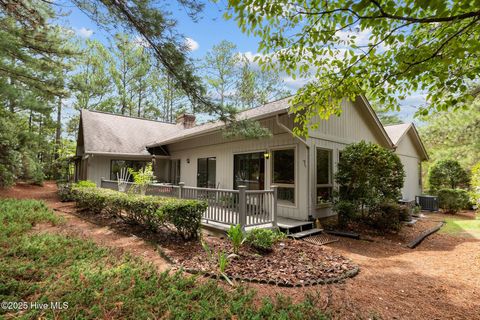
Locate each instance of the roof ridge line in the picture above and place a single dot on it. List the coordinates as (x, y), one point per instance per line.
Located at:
(125, 116)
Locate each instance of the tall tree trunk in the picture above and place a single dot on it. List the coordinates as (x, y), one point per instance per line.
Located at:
(58, 131)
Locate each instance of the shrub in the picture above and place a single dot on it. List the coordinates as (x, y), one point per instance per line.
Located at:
(185, 215)
(447, 174)
(346, 211)
(85, 184)
(64, 191)
(263, 239)
(236, 236)
(149, 211)
(453, 200)
(368, 174)
(90, 199)
(388, 216)
(475, 184)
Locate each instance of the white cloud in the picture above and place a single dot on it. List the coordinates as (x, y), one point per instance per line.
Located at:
(84, 32)
(362, 37)
(191, 44)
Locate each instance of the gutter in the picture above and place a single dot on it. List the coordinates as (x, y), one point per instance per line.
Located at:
(284, 127)
(116, 154)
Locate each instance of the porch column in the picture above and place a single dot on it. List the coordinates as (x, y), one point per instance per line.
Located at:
(242, 206)
(274, 207)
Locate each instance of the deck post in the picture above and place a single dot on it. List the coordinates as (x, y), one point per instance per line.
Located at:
(242, 206)
(180, 189)
(274, 207)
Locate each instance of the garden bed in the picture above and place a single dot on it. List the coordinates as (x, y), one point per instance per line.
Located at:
(290, 263)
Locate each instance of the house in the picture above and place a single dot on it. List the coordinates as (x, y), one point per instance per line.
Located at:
(411, 151)
(200, 156)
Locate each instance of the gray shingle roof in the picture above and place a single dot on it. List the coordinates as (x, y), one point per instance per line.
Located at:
(254, 113)
(110, 133)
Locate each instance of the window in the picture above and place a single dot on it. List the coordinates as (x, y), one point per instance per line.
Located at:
(283, 174)
(324, 176)
(117, 165)
(175, 171)
(206, 172)
(249, 171)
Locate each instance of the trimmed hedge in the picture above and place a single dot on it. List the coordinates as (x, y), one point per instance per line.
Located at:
(151, 212)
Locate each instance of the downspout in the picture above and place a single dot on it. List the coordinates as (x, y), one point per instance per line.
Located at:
(284, 127)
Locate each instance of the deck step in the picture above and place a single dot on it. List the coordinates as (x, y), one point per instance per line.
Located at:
(306, 233)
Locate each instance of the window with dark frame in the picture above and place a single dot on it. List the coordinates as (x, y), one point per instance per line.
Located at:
(206, 172)
(249, 171)
(324, 176)
(117, 165)
(175, 171)
(283, 174)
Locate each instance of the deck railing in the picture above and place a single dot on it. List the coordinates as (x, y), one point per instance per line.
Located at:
(230, 207)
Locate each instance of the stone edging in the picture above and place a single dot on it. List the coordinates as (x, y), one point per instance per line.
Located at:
(349, 274)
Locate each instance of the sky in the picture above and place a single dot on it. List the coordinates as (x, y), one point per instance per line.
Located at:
(202, 35)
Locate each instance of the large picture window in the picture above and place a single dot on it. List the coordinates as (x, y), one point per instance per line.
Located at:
(324, 176)
(206, 172)
(117, 165)
(283, 174)
(249, 171)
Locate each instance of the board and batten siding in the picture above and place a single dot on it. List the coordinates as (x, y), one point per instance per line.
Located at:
(98, 168)
(408, 153)
(214, 145)
(353, 125)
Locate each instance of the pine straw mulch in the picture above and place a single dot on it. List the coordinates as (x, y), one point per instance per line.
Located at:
(290, 263)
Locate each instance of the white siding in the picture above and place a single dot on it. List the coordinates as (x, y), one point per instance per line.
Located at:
(98, 168)
(409, 155)
(353, 125)
(335, 134)
(214, 145)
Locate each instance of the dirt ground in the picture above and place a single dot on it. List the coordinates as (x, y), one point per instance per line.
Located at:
(439, 279)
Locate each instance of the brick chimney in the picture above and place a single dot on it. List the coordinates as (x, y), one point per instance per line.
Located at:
(187, 120)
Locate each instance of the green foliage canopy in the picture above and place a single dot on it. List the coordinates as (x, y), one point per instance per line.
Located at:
(447, 174)
(385, 49)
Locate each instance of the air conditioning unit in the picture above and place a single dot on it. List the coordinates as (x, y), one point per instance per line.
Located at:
(429, 203)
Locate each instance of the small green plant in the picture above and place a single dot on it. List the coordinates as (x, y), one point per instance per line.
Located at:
(222, 266)
(142, 178)
(85, 184)
(263, 239)
(446, 174)
(236, 236)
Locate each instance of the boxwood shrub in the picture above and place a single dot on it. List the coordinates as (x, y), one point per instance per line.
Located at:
(149, 211)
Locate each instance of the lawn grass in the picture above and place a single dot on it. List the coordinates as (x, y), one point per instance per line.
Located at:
(102, 283)
(459, 226)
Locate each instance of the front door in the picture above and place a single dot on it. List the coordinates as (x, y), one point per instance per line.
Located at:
(249, 171)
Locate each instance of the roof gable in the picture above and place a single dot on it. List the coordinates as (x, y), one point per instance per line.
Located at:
(399, 132)
(261, 112)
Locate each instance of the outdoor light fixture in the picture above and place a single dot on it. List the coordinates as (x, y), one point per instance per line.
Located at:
(266, 155)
